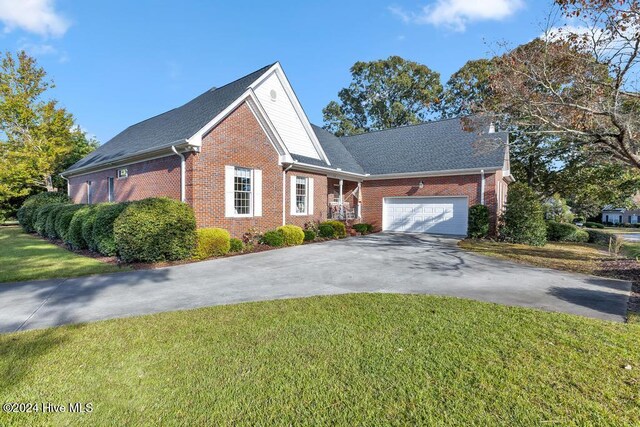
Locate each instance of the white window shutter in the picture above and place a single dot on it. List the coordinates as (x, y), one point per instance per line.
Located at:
(229, 208)
(257, 192)
(310, 196)
(292, 195)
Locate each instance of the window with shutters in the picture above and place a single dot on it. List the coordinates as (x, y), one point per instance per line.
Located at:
(302, 194)
(242, 191)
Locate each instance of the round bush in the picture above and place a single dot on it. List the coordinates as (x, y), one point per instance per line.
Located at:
(478, 222)
(523, 218)
(74, 234)
(581, 236)
(309, 235)
(363, 228)
(26, 213)
(273, 238)
(212, 242)
(50, 226)
(155, 229)
(87, 228)
(40, 218)
(235, 245)
(327, 231)
(339, 227)
(293, 235)
(103, 239)
(593, 225)
(63, 220)
(560, 232)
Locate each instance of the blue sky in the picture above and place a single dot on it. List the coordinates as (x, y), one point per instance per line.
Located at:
(116, 62)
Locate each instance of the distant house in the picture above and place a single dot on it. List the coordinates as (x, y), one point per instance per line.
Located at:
(244, 155)
(620, 215)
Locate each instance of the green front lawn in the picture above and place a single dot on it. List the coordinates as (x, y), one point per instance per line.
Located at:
(25, 257)
(366, 359)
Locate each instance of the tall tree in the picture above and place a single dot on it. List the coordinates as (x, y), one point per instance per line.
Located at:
(466, 89)
(37, 137)
(383, 94)
(579, 84)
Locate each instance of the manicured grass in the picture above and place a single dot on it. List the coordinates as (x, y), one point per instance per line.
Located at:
(26, 257)
(365, 359)
(620, 230)
(580, 258)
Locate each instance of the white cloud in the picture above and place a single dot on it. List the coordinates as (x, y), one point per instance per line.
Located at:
(42, 49)
(456, 14)
(34, 16)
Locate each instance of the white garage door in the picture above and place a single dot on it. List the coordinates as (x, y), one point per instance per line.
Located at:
(438, 215)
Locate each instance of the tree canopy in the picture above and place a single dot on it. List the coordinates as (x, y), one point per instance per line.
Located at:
(384, 93)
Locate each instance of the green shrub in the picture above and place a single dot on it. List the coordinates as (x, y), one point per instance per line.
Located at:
(556, 209)
(155, 229)
(26, 213)
(212, 242)
(478, 222)
(293, 235)
(309, 235)
(236, 245)
(74, 234)
(593, 225)
(602, 238)
(87, 228)
(338, 226)
(103, 239)
(560, 232)
(523, 218)
(50, 226)
(40, 218)
(63, 220)
(273, 238)
(327, 231)
(363, 228)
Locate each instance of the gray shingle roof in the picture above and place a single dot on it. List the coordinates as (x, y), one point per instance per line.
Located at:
(335, 151)
(432, 146)
(171, 127)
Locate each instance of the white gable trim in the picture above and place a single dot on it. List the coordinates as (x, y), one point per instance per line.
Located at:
(284, 81)
(259, 114)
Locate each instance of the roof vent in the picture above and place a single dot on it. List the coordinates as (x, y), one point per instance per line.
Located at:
(273, 94)
(492, 128)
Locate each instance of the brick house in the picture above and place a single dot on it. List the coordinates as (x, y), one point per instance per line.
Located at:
(244, 155)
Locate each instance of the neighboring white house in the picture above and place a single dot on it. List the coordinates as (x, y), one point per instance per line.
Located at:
(620, 215)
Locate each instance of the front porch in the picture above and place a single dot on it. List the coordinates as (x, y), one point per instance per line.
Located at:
(344, 199)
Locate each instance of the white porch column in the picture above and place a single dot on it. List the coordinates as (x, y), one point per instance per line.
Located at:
(340, 201)
(359, 200)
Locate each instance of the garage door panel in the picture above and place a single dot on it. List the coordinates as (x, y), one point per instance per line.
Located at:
(441, 215)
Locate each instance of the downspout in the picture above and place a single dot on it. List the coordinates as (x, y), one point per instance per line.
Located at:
(182, 173)
(482, 187)
(68, 185)
(284, 192)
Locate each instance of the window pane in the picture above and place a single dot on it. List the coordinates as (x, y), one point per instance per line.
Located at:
(242, 191)
(301, 194)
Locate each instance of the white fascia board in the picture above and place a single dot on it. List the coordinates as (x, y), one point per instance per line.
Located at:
(331, 173)
(259, 114)
(282, 77)
(474, 171)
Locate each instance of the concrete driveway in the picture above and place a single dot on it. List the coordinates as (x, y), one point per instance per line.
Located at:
(377, 263)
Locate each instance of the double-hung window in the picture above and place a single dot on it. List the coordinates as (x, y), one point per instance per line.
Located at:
(242, 191)
(302, 195)
(89, 192)
(111, 189)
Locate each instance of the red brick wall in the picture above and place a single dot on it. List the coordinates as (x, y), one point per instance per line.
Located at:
(151, 178)
(461, 185)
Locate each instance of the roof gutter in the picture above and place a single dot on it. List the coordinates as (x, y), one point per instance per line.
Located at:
(322, 169)
(471, 171)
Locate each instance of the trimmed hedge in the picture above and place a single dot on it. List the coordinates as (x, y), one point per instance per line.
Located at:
(327, 231)
(40, 218)
(74, 234)
(273, 238)
(50, 226)
(363, 228)
(478, 227)
(293, 235)
(26, 213)
(602, 238)
(155, 229)
(63, 220)
(212, 242)
(235, 245)
(103, 239)
(309, 235)
(593, 225)
(339, 228)
(523, 218)
(561, 232)
(87, 229)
